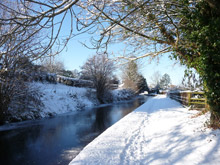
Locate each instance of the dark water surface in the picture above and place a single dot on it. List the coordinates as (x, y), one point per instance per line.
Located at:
(58, 140)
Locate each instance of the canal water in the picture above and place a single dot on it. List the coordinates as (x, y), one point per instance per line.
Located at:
(58, 140)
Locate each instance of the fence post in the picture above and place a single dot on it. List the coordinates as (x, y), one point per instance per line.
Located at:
(189, 98)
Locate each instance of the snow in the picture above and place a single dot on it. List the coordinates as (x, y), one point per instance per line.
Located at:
(160, 131)
(59, 98)
(122, 94)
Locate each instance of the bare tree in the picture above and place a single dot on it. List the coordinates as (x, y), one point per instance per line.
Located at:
(132, 78)
(52, 65)
(150, 27)
(29, 18)
(165, 81)
(17, 51)
(99, 69)
(75, 73)
(138, 23)
(155, 79)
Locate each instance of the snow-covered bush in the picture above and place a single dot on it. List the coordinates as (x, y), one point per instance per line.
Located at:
(25, 104)
(111, 96)
(20, 101)
(16, 95)
(122, 94)
(45, 77)
(74, 81)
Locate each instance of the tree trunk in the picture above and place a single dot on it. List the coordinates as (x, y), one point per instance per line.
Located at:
(215, 119)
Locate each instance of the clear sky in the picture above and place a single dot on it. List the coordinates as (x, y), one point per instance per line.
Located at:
(76, 54)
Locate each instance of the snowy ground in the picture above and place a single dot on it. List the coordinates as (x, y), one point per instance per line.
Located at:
(159, 132)
(56, 99)
(59, 98)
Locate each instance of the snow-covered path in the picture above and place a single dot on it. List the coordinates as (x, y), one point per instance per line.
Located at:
(161, 131)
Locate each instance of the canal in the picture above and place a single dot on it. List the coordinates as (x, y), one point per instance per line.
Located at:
(58, 140)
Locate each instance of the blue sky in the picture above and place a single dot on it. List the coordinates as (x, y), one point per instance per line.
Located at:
(76, 54)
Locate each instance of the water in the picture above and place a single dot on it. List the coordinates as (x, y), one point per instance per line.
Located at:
(58, 140)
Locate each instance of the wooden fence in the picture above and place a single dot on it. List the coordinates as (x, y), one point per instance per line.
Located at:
(188, 98)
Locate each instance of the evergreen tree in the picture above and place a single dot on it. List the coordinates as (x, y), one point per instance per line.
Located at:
(200, 49)
(142, 84)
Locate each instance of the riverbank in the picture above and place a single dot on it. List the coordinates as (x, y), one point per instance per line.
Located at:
(58, 99)
(160, 131)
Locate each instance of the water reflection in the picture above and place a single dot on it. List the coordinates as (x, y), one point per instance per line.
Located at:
(60, 139)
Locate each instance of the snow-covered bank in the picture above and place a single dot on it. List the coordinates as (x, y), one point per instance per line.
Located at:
(160, 131)
(59, 99)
